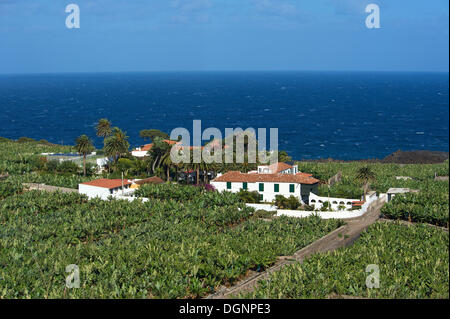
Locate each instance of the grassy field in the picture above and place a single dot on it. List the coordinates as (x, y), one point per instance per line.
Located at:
(413, 262)
(158, 249)
(186, 242)
(430, 205)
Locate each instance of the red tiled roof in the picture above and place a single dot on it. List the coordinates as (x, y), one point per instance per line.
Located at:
(150, 180)
(300, 178)
(279, 167)
(147, 147)
(108, 183)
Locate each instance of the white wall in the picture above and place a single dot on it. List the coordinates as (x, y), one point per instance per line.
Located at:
(267, 207)
(139, 153)
(314, 201)
(101, 192)
(268, 193)
(102, 161)
(93, 191)
(333, 214)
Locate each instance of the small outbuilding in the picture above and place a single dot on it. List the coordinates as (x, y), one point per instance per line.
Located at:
(103, 187)
(395, 191)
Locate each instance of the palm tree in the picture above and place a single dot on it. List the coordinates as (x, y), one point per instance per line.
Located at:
(116, 144)
(84, 146)
(196, 167)
(166, 160)
(159, 149)
(103, 128)
(365, 174)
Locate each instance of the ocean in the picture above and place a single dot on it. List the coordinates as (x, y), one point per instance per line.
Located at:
(342, 115)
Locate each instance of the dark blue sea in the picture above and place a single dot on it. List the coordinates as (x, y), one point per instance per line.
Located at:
(319, 115)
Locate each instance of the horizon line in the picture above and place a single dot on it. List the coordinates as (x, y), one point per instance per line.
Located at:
(229, 71)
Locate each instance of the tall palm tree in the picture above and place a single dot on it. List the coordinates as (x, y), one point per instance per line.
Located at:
(116, 144)
(159, 149)
(365, 174)
(196, 167)
(103, 128)
(84, 146)
(166, 161)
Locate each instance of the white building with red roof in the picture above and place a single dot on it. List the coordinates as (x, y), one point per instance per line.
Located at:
(142, 151)
(269, 181)
(103, 188)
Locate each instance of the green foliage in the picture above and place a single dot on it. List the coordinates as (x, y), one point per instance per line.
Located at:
(84, 145)
(291, 203)
(284, 157)
(326, 206)
(341, 190)
(263, 214)
(24, 139)
(103, 128)
(157, 249)
(413, 263)
(152, 133)
(117, 144)
(249, 197)
(424, 207)
(9, 188)
(174, 192)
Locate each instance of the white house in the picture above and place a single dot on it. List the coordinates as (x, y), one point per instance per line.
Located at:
(142, 151)
(269, 181)
(103, 188)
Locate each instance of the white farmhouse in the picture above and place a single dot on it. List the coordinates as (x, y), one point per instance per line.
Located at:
(269, 181)
(103, 188)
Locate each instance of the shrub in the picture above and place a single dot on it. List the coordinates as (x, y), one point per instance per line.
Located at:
(261, 213)
(9, 188)
(68, 167)
(282, 202)
(249, 197)
(326, 206)
(24, 139)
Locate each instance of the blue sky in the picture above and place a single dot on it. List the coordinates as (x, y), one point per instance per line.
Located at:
(181, 35)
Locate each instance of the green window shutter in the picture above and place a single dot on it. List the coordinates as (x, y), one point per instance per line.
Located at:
(228, 185)
(291, 188)
(261, 187)
(261, 197)
(244, 185)
(276, 188)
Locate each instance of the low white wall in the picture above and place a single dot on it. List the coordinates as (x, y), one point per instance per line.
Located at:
(334, 201)
(323, 215)
(267, 207)
(333, 214)
(131, 198)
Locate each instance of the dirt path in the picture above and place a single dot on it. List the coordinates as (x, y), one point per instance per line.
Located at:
(48, 188)
(341, 237)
